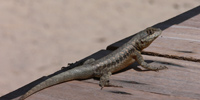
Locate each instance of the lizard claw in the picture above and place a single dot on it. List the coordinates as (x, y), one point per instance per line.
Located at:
(101, 88)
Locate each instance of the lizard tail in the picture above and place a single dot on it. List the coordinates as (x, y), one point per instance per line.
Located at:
(72, 74)
(47, 83)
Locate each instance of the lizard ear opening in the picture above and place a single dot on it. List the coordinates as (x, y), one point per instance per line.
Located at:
(141, 41)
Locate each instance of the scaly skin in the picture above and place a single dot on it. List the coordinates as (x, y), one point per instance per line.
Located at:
(104, 67)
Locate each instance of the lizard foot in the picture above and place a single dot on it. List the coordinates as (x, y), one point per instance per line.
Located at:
(107, 84)
(103, 82)
(153, 68)
(104, 79)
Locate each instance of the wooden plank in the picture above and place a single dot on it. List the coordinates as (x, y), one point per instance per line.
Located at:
(180, 81)
(194, 22)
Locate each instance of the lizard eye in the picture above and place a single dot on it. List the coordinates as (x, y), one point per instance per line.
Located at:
(150, 31)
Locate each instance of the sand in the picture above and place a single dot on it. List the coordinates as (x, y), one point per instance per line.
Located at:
(38, 37)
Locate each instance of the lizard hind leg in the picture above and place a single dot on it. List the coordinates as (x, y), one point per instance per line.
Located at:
(104, 81)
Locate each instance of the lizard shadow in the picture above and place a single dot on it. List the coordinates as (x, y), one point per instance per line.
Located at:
(132, 82)
(184, 51)
(170, 64)
(120, 92)
(135, 66)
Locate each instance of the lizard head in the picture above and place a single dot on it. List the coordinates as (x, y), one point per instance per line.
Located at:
(150, 35)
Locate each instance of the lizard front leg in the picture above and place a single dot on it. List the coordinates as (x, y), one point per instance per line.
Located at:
(138, 57)
(88, 61)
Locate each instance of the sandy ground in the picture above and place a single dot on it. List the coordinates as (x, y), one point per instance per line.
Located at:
(38, 37)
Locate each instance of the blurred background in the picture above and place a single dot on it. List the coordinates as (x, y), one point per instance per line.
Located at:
(38, 37)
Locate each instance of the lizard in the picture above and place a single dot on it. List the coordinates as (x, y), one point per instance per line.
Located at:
(103, 68)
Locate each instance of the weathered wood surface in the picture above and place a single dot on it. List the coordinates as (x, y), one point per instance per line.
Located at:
(181, 37)
(180, 81)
